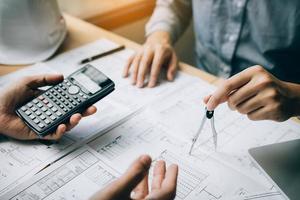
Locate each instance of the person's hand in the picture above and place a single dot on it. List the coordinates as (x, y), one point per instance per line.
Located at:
(259, 95)
(21, 92)
(156, 53)
(134, 183)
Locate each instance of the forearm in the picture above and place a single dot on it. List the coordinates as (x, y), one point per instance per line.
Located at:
(170, 16)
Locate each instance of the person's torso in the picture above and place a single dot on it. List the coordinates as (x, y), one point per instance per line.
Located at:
(30, 30)
(232, 35)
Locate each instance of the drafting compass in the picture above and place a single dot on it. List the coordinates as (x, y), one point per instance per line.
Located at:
(207, 115)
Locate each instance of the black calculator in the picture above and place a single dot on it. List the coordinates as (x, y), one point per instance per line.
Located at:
(56, 105)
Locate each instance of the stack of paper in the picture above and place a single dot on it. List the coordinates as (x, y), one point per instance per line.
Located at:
(131, 121)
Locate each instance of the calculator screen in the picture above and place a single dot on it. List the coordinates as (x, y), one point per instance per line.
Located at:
(90, 79)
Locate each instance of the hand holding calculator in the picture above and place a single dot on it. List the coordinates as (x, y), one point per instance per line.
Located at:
(57, 104)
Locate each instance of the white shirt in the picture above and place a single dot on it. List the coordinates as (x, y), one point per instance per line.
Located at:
(30, 30)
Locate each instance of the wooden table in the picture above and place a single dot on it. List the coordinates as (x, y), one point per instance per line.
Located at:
(108, 14)
(81, 32)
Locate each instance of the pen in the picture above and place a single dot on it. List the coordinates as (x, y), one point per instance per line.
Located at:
(84, 61)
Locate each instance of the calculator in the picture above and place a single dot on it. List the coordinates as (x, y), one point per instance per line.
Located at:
(57, 104)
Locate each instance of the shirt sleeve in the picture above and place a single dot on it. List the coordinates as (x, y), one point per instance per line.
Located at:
(172, 16)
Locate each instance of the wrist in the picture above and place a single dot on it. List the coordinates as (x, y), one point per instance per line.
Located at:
(161, 37)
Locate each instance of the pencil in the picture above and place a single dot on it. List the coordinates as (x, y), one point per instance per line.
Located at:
(106, 53)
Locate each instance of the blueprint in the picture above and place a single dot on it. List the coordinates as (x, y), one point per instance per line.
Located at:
(160, 122)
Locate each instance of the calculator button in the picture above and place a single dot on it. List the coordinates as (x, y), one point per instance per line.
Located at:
(36, 121)
(80, 94)
(59, 90)
(34, 109)
(29, 105)
(23, 108)
(73, 89)
(84, 96)
(74, 103)
(67, 97)
(40, 105)
(47, 121)
(31, 116)
(61, 106)
(44, 109)
(65, 110)
(50, 105)
(35, 101)
(41, 98)
(27, 112)
(64, 88)
(52, 117)
(68, 84)
(42, 117)
(45, 101)
(54, 109)
(78, 100)
(38, 113)
(58, 113)
(60, 85)
(48, 113)
(47, 93)
(41, 125)
(71, 100)
(70, 106)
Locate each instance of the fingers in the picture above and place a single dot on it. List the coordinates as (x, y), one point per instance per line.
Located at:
(135, 67)
(242, 94)
(43, 80)
(89, 111)
(121, 188)
(158, 175)
(150, 60)
(205, 99)
(167, 188)
(258, 114)
(230, 85)
(141, 190)
(170, 181)
(132, 177)
(136, 172)
(61, 129)
(74, 121)
(172, 68)
(156, 68)
(127, 66)
(250, 105)
(144, 67)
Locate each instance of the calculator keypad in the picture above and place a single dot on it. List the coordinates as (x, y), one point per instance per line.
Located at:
(53, 104)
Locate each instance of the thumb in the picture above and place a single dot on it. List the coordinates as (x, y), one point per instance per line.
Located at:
(43, 80)
(121, 188)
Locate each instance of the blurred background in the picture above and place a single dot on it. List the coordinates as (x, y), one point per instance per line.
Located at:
(126, 18)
